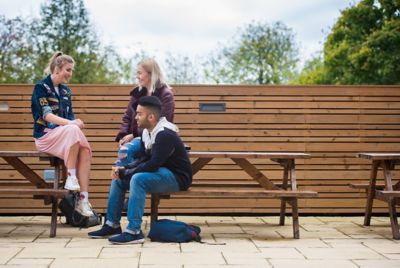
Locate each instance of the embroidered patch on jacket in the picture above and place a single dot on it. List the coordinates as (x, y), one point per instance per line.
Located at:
(47, 88)
(53, 99)
(55, 107)
(41, 122)
(43, 101)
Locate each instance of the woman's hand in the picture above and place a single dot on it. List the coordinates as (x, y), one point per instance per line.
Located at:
(125, 139)
(78, 122)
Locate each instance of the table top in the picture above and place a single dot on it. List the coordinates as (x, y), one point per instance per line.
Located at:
(379, 156)
(266, 155)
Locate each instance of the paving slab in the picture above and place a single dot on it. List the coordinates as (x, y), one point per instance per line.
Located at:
(313, 264)
(247, 242)
(206, 258)
(377, 264)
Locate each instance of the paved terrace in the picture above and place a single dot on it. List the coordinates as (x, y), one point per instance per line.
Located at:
(250, 242)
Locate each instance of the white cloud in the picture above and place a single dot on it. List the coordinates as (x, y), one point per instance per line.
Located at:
(195, 27)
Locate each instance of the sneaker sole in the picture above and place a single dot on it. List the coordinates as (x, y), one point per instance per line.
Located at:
(84, 214)
(140, 241)
(73, 189)
(99, 237)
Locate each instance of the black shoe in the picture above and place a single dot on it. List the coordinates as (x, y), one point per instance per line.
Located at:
(105, 231)
(127, 238)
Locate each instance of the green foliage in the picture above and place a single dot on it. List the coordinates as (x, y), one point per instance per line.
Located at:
(363, 47)
(260, 54)
(16, 51)
(313, 72)
(181, 70)
(64, 26)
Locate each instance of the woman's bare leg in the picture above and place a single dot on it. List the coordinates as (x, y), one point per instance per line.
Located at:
(72, 156)
(83, 168)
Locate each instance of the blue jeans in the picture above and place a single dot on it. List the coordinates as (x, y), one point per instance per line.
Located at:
(128, 152)
(163, 180)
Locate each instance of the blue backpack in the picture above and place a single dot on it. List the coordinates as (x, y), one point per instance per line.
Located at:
(173, 231)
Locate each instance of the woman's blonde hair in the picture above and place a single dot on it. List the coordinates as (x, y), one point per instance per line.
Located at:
(58, 59)
(157, 78)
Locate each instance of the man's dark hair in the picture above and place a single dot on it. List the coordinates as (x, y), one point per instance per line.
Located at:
(152, 103)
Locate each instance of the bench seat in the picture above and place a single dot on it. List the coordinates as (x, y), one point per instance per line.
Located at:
(251, 193)
(365, 186)
(36, 191)
(387, 194)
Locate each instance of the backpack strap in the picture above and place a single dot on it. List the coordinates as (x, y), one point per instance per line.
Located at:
(197, 237)
(209, 243)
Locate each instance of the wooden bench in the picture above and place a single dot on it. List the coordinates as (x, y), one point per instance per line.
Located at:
(50, 193)
(287, 192)
(389, 192)
(364, 186)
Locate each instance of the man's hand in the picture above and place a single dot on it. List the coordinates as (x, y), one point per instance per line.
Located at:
(125, 139)
(115, 172)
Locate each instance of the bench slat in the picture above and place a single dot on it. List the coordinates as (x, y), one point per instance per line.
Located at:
(23, 154)
(380, 156)
(365, 186)
(387, 194)
(19, 191)
(244, 193)
(248, 155)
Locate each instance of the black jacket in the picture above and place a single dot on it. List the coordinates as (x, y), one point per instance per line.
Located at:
(168, 151)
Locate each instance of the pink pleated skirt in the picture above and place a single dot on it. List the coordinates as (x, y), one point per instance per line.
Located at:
(58, 141)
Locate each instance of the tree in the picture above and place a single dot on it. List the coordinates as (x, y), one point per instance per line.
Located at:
(313, 71)
(260, 54)
(181, 70)
(64, 26)
(363, 46)
(16, 51)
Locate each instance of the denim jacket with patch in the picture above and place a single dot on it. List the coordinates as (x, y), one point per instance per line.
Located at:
(45, 100)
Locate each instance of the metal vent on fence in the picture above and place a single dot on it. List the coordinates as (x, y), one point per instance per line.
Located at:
(212, 107)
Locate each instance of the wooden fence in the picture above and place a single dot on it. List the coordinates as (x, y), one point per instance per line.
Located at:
(332, 123)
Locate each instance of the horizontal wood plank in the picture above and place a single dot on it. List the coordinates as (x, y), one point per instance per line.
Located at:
(331, 123)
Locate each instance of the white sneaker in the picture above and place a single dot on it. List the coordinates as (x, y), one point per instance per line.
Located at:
(84, 207)
(72, 184)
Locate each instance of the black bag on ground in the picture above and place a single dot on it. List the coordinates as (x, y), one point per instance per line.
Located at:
(73, 217)
(166, 230)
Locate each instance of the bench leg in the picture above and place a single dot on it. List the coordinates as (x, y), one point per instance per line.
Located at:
(371, 193)
(155, 201)
(393, 218)
(53, 226)
(60, 173)
(295, 217)
(283, 201)
(283, 212)
(387, 166)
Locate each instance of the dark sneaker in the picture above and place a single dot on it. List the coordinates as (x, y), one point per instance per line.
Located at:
(105, 231)
(127, 238)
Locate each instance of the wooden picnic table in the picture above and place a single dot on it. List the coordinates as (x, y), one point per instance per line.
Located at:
(50, 193)
(389, 192)
(287, 191)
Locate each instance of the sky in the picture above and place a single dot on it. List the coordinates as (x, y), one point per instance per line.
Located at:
(195, 28)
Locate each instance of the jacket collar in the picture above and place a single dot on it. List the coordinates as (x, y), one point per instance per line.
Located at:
(140, 93)
(49, 82)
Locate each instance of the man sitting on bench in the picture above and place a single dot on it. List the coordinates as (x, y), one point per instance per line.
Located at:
(163, 165)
